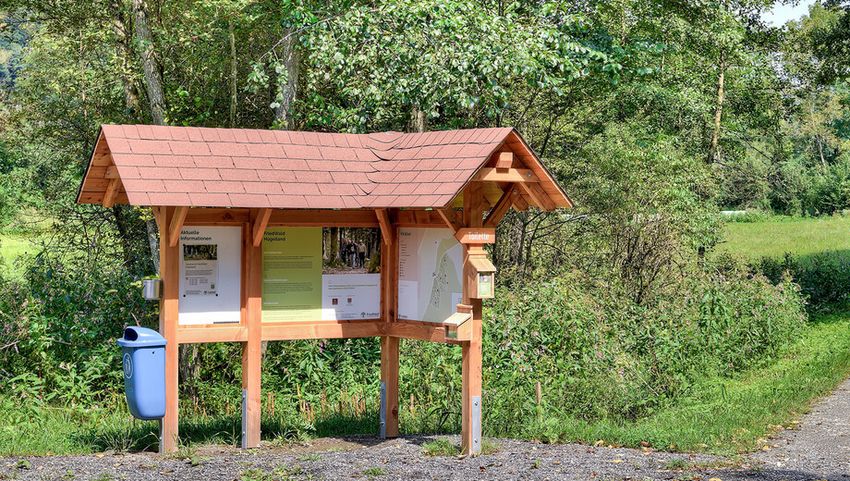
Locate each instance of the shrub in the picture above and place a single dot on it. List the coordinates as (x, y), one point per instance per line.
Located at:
(824, 278)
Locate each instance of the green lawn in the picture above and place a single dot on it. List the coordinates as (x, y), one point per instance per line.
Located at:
(729, 416)
(13, 247)
(778, 235)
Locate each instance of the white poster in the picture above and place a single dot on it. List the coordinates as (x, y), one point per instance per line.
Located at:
(351, 296)
(430, 274)
(210, 267)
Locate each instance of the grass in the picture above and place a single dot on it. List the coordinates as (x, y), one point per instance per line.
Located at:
(730, 416)
(13, 247)
(779, 235)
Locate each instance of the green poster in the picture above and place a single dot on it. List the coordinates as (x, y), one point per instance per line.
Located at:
(292, 274)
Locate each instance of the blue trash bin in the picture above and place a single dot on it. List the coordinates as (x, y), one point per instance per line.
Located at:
(143, 358)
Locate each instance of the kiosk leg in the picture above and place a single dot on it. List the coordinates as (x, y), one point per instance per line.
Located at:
(169, 265)
(252, 350)
(471, 411)
(389, 387)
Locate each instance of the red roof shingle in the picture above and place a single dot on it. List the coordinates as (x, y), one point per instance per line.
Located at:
(211, 167)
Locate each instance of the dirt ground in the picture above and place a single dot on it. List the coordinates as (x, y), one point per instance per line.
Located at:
(818, 449)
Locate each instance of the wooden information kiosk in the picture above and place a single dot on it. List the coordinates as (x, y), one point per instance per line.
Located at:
(239, 212)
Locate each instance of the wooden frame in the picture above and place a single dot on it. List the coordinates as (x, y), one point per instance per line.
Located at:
(470, 229)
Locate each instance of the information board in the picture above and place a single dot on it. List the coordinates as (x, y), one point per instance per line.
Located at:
(210, 270)
(351, 296)
(430, 274)
(292, 274)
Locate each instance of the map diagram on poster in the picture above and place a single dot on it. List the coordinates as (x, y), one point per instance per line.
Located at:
(209, 275)
(430, 274)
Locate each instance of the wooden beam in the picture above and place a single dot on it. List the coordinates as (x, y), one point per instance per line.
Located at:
(169, 265)
(217, 216)
(259, 228)
(289, 331)
(176, 225)
(324, 218)
(386, 226)
(498, 212)
(505, 160)
(539, 196)
(111, 172)
(389, 387)
(193, 335)
(471, 415)
(252, 356)
(446, 215)
(490, 174)
(109, 195)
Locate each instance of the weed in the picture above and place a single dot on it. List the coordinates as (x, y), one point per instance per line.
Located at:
(489, 446)
(440, 447)
(310, 457)
(23, 464)
(676, 464)
(374, 472)
(535, 464)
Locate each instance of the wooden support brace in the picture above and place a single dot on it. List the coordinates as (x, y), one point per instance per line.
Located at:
(111, 172)
(501, 208)
(259, 228)
(446, 215)
(111, 192)
(386, 226)
(490, 174)
(176, 225)
(539, 196)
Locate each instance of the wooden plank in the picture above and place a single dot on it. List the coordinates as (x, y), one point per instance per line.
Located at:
(476, 235)
(419, 218)
(447, 215)
(471, 350)
(169, 264)
(176, 225)
(421, 330)
(259, 226)
(252, 348)
(386, 227)
(498, 212)
(210, 216)
(540, 198)
(389, 345)
(490, 174)
(505, 160)
(324, 218)
(389, 379)
(109, 195)
(323, 330)
(193, 335)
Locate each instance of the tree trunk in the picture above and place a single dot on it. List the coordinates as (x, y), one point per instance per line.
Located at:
(150, 63)
(233, 73)
(714, 152)
(418, 120)
(287, 89)
(124, 49)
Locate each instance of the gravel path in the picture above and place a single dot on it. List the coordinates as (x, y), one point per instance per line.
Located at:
(819, 449)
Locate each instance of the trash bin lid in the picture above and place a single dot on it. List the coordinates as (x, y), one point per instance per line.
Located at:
(135, 336)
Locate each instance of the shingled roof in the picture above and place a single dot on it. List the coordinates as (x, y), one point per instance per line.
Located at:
(212, 167)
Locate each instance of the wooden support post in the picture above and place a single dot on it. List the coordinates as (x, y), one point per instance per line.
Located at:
(169, 264)
(389, 345)
(252, 349)
(470, 438)
(111, 192)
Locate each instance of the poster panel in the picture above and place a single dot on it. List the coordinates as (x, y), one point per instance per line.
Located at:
(210, 269)
(292, 274)
(430, 274)
(351, 296)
